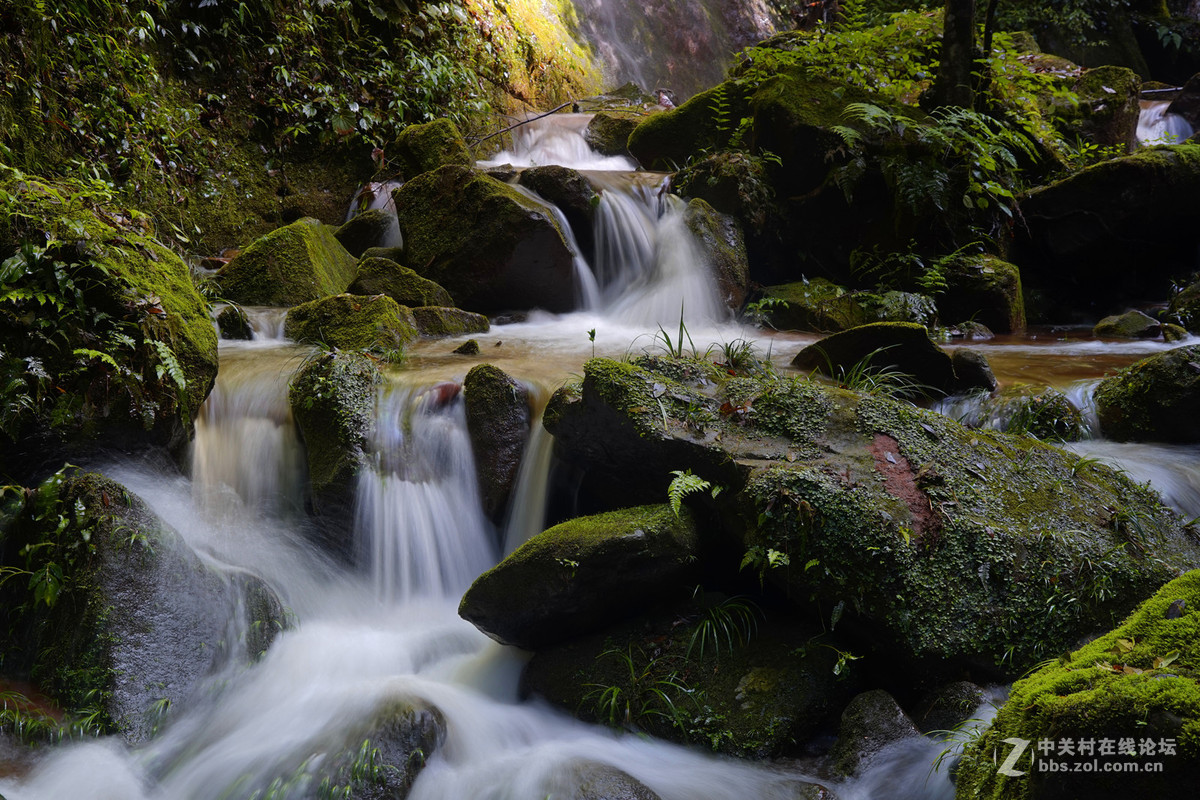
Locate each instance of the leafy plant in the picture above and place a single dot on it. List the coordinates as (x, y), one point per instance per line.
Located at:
(685, 483)
(724, 627)
(645, 693)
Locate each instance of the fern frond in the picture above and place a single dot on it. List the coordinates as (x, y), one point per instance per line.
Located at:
(170, 363)
(683, 484)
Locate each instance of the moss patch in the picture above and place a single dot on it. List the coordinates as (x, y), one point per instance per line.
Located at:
(352, 322)
(295, 264)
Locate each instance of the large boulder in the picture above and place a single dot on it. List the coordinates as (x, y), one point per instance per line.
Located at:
(1082, 233)
(352, 322)
(870, 722)
(375, 227)
(294, 264)
(498, 417)
(608, 133)
(333, 402)
(985, 289)
(903, 348)
(1127, 699)
(423, 148)
(104, 341)
(1156, 399)
(1132, 324)
(720, 237)
(384, 276)
(887, 504)
(441, 321)
(583, 574)
(492, 247)
(1108, 107)
(571, 193)
(109, 611)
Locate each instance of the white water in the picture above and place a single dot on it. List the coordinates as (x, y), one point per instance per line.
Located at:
(1156, 126)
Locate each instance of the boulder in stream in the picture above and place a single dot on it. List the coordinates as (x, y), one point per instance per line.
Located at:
(423, 148)
(571, 193)
(498, 418)
(369, 229)
(493, 248)
(294, 264)
(440, 321)
(608, 133)
(872, 721)
(986, 289)
(352, 322)
(1130, 325)
(902, 349)
(1156, 399)
(720, 237)
(111, 613)
(384, 276)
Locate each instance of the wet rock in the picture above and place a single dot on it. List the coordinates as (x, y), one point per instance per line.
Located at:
(381, 759)
(493, 248)
(583, 574)
(234, 324)
(1039, 411)
(423, 148)
(1108, 109)
(899, 346)
(1187, 103)
(333, 402)
(395, 254)
(813, 305)
(733, 183)
(971, 331)
(294, 264)
(972, 370)
(595, 781)
(438, 321)
(498, 419)
(608, 134)
(1185, 307)
(572, 193)
(373, 228)
(129, 620)
(720, 237)
(872, 721)
(468, 348)
(385, 276)
(948, 706)
(1137, 682)
(985, 289)
(894, 503)
(1156, 399)
(1130, 325)
(766, 693)
(352, 322)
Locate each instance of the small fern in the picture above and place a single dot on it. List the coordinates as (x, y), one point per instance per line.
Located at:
(685, 483)
(103, 357)
(169, 364)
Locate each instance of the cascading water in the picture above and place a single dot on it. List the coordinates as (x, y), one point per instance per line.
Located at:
(1156, 126)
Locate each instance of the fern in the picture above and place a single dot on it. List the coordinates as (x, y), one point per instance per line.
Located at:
(170, 364)
(685, 483)
(104, 357)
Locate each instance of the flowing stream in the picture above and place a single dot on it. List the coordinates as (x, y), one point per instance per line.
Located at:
(391, 632)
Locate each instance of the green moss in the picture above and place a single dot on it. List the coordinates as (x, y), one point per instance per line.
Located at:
(1155, 399)
(435, 321)
(422, 148)
(383, 276)
(985, 289)
(352, 322)
(814, 305)
(297, 263)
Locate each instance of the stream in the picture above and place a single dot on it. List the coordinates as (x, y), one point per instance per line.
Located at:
(392, 632)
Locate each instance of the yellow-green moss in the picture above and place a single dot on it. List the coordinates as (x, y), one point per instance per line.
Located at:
(295, 264)
(352, 322)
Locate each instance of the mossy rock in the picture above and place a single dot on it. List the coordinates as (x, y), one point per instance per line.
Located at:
(732, 182)
(373, 228)
(233, 323)
(129, 353)
(333, 402)
(583, 574)
(1156, 399)
(972, 369)
(1185, 307)
(440, 321)
(498, 419)
(384, 276)
(984, 288)
(1040, 411)
(608, 134)
(493, 248)
(720, 237)
(870, 722)
(294, 264)
(571, 193)
(1109, 106)
(1130, 325)
(423, 148)
(126, 619)
(901, 346)
(813, 305)
(352, 322)
(895, 505)
(1137, 683)
(1187, 103)
(946, 707)
(766, 694)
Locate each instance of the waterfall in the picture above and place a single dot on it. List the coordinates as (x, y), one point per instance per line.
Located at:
(419, 515)
(1156, 126)
(556, 139)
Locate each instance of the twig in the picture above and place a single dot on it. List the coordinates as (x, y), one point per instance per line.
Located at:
(524, 121)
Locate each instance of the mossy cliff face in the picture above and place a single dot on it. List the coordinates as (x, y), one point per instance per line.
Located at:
(491, 247)
(297, 263)
(109, 612)
(1137, 683)
(352, 322)
(583, 574)
(105, 341)
(1156, 399)
(942, 545)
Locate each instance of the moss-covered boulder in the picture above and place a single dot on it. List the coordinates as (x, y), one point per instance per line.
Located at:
(110, 613)
(352, 322)
(1108, 109)
(571, 193)
(1132, 324)
(233, 323)
(732, 182)
(1127, 699)
(764, 690)
(1039, 411)
(582, 575)
(440, 321)
(384, 276)
(333, 402)
(870, 722)
(608, 134)
(933, 539)
(492, 247)
(983, 288)
(1156, 399)
(946, 707)
(1185, 307)
(498, 417)
(1082, 232)
(720, 237)
(814, 305)
(901, 347)
(423, 148)
(294, 264)
(375, 227)
(104, 341)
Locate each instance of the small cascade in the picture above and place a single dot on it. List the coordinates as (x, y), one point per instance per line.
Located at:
(378, 196)
(1156, 126)
(587, 292)
(527, 512)
(246, 454)
(266, 322)
(624, 230)
(419, 520)
(557, 139)
(1171, 470)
